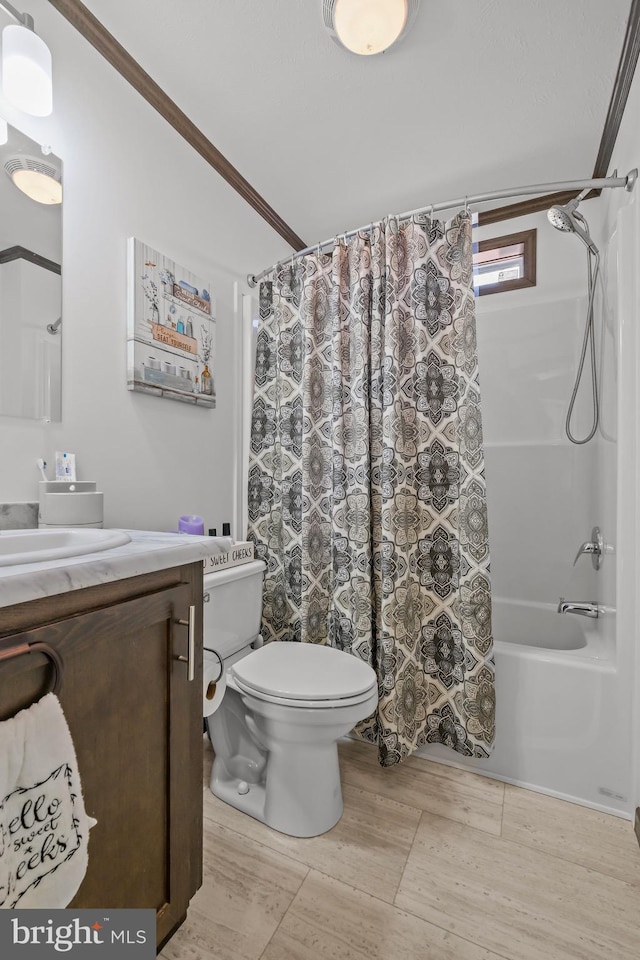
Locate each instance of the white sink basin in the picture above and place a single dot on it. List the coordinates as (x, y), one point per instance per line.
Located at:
(37, 546)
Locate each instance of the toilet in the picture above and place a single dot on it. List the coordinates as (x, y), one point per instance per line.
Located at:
(285, 706)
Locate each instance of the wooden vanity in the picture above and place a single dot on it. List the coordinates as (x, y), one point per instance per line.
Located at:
(136, 722)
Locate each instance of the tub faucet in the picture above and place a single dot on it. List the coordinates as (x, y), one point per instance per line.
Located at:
(584, 608)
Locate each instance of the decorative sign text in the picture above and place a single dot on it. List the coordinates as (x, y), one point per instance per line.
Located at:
(240, 553)
(194, 301)
(38, 832)
(166, 335)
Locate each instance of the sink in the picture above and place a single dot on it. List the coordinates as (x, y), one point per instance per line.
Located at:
(37, 546)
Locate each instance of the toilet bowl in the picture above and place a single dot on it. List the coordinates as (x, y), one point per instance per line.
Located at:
(285, 706)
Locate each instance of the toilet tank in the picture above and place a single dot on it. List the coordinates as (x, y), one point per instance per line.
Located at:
(233, 607)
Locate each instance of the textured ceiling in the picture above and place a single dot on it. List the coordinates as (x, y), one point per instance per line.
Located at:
(482, 94)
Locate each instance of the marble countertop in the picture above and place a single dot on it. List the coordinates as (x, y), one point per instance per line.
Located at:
(146, 552)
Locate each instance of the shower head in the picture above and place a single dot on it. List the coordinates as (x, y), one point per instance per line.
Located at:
(567, 219)
(560, 219)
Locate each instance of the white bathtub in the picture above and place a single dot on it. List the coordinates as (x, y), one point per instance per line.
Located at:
(540, 625)
(558, 717)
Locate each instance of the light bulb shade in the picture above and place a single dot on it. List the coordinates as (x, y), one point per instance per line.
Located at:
(37, 178)
(26, 71)
(367, 27)
(38, 186)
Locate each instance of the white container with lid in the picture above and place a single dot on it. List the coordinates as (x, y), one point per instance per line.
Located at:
(70, 503)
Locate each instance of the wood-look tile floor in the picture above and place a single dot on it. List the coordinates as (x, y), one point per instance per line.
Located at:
(427, 863)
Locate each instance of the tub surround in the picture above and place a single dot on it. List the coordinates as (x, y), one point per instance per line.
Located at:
(563, 703)
(18, 516)
(148, 551)
(554, 749)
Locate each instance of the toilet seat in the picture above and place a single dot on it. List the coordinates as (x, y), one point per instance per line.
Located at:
(304, 675)
(302, 704)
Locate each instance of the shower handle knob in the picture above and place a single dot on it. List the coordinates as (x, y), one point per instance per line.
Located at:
(595, 547)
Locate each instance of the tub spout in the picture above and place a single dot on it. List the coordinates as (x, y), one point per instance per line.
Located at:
(584, 608)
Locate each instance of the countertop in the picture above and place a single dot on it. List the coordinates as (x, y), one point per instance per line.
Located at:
(147, 551)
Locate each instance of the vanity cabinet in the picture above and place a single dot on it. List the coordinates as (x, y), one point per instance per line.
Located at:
(136, 722)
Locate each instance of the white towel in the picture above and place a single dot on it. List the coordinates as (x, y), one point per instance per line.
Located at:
(44, 829)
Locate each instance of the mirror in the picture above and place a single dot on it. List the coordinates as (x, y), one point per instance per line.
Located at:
(30, 280)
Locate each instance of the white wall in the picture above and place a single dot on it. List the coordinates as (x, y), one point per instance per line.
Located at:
(127, 173)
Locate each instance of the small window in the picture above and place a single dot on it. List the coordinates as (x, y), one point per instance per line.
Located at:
(505, 263)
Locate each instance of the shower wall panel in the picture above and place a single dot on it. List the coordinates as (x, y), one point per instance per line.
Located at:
(541, 489)
(563, 701)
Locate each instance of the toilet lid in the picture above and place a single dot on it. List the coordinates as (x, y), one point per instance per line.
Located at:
(304, 671)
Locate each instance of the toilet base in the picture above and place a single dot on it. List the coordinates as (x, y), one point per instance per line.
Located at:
(278, 762)
(251, 802)
(313, 808)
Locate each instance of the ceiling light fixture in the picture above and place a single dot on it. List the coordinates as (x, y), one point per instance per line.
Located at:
(37, 178)
(26, 65)
(367, 27)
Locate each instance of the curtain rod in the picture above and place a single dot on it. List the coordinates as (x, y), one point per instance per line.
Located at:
(627, 182)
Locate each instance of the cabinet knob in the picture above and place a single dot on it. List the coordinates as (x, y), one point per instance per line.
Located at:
(190, 659)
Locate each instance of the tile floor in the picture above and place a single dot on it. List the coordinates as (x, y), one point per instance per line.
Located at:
(427, 863)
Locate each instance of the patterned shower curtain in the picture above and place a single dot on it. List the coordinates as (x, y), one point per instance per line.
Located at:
(366, 482)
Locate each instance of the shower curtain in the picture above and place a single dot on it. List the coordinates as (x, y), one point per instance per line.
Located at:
(366, 481)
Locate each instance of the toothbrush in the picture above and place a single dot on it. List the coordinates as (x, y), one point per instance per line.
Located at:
(42, 466)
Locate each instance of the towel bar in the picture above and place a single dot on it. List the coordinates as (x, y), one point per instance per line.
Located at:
(56, 660)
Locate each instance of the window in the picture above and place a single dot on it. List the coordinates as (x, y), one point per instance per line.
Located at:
(505, 263)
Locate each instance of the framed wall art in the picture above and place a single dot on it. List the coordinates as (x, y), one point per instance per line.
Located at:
(171, 328)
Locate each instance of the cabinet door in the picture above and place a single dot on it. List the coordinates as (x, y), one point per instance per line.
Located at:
(136, 722)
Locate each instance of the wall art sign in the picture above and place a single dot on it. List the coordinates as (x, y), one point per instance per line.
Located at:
(171, 328)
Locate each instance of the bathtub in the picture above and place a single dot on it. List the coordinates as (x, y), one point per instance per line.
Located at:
(558, 716)
(539, 625)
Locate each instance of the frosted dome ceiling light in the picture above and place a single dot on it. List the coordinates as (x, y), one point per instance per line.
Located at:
(367, 27)
(39, 180)
(26, 66)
